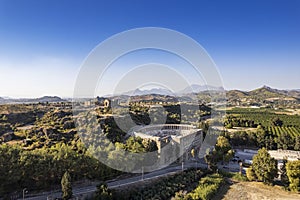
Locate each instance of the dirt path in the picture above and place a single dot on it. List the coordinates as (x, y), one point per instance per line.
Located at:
(257, 191)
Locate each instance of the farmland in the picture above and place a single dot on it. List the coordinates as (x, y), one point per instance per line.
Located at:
(263, 128)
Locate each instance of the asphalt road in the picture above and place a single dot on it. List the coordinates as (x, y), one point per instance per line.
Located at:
(78, 191)
(82, 190)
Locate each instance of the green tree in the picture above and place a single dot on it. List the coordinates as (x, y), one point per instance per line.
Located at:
(103, 193)
(261, 135)
(193, 152)
(223, 150)
(297, 143)
(229, 155)
(210, 160)
(135, 144)
(293, 173)
(204, 126)
(222, 144)
(149, 145)
(4, 118)
(229, 126)
(10, 173)
(285, 141)
(66, 186)
(277, 122)
(264, 166)
(250, 174)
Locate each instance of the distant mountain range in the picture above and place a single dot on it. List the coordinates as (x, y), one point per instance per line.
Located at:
(139, 92)
(264, 94)
(190, 89)
(44, 99)
(194, 88)
(259, 95)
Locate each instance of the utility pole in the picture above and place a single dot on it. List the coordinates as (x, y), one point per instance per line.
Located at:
(142, 173)
(241, 166)
(24, 191)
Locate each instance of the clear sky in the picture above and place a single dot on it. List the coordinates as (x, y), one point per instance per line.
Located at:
(43, 43)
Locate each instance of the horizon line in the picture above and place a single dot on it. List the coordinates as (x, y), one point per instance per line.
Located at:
(16, 97)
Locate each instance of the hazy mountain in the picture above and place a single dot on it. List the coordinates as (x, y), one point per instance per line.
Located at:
(139, 92)
(263, 95)
(263, 92)
(278, 93)
(148, 98)
(188, 90)
(294, 93)
(44, 99)
(259, 95)
(267, 92)
(236, 94)
(49, 99)
(194, 88)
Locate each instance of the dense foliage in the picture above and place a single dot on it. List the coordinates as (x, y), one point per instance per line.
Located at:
(266, 117)
(191, 184)
(222, 152)
(43, 168)
(273, 131)
(51, 145)
(103, 193)
(66, 186)
(264, 167)
(163, 188)
(293, 173)
(37, 156)
(206, 189)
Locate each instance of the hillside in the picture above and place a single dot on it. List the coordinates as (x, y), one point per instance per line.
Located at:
(292, 93)
(236, 94)
(154, 98)
(194, 88)
(263, 95)
(44, 99)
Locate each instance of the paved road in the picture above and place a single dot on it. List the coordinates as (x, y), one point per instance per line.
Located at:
(119, 183)
(77, 191)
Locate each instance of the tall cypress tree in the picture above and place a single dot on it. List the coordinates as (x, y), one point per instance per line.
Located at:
(66, 186)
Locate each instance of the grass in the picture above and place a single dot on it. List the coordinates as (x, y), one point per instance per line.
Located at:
(239, 177)
(207, 188)
(236, 176)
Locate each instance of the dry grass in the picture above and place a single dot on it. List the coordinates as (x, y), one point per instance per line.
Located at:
(257, 191)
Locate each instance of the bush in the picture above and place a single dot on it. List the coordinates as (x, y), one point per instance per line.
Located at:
(293, 173)
(250, 174)
(164, 188)
(207, 187)
(239, 177)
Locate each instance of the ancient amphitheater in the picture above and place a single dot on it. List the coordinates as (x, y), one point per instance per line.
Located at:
(173, 140)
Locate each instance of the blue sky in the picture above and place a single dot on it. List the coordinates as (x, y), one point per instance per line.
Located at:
(43, 43)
